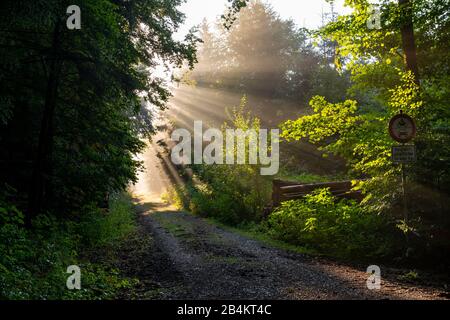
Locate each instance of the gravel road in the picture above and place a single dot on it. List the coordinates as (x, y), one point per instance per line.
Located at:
(194, 259)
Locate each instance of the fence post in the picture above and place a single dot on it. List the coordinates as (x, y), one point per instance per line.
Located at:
(276, 193)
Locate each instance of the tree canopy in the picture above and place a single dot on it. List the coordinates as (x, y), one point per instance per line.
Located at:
(75, 102)
(390, 72)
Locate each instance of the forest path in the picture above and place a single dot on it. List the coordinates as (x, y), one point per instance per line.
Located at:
(196, 259)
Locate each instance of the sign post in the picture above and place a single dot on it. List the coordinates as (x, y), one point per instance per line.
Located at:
(402, 128)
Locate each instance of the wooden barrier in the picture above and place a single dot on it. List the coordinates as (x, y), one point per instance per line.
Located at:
(286, 190)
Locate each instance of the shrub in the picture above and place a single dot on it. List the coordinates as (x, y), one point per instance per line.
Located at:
(232, 194)
(178, 195)
(33, 262)
(102, 227)
(338, 228)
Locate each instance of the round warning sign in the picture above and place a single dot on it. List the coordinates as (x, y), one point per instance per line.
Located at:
(402, 128)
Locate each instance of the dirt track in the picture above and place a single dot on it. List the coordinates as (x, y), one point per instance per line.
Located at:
(189, 258)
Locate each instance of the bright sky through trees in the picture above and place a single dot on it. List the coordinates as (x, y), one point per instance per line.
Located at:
(306, 13)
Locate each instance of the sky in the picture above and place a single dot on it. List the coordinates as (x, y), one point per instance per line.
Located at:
(306, 13)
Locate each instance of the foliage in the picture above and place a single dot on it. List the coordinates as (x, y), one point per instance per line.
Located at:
(307, 177)
(230, 193)
(178, 196)
(233, 193)
(104, 84)
(231, 16)
(99, 227)
(356, 129)
(338, 228)
(33, 263)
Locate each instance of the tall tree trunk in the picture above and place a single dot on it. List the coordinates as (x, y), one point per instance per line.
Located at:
(39, 187)
(409, 44)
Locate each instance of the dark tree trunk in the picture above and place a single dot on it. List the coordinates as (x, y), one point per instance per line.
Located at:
(42, 166)
(409, 44)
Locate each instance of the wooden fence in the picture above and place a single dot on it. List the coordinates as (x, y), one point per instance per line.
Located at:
(285, 190)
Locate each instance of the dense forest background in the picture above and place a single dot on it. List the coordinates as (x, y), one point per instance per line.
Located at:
(76, 108)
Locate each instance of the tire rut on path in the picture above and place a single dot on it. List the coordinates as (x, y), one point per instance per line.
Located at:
(212, 263)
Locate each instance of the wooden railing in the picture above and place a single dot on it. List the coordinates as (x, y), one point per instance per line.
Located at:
(285, 190)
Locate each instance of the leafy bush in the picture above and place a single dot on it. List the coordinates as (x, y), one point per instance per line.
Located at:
(338, 228)
(33, 262)
(101, 227)
(231, 194)
(178, 195)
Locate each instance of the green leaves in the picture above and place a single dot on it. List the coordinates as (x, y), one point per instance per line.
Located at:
(106, 89)
(332, 227)
(33, 263)
(329, 121)
(357, 131)
(231, 16)
(9, 214)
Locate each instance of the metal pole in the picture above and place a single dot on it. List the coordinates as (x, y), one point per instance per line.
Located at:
(405, 203)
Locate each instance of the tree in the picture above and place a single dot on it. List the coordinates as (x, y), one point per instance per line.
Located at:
(80, 94)
(264, 55)
(409, 45)
(384, 74)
